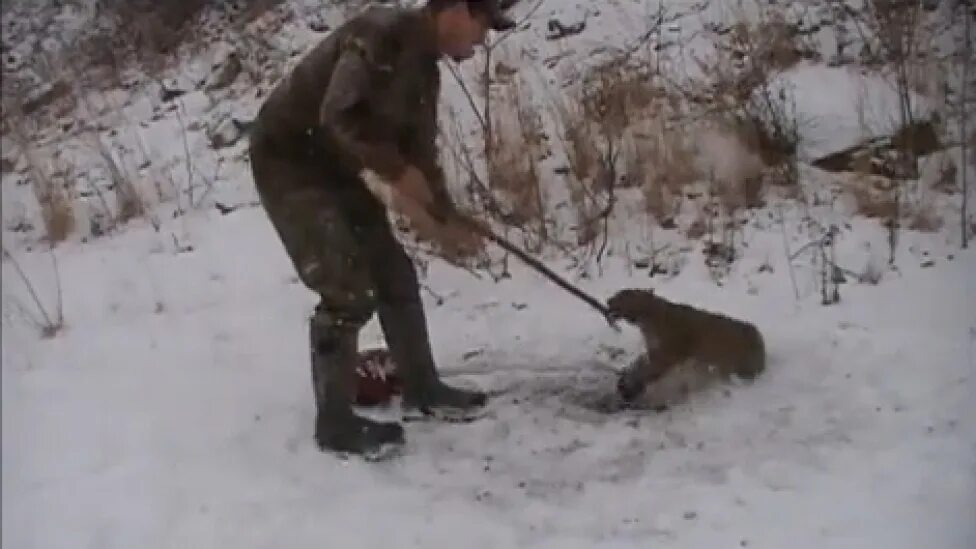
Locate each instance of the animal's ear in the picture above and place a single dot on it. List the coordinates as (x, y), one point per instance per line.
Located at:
(617, 295)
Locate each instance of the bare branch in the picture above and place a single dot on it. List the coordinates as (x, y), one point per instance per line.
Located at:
(511, 31)
(50, 326)
(456, 73)
(964, 137)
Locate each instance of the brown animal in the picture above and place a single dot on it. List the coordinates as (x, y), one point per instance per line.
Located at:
(688, 348)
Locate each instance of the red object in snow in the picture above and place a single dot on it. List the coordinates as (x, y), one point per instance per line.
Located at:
(376, 378)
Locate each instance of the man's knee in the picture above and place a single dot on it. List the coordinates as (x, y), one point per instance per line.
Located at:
(349, 311)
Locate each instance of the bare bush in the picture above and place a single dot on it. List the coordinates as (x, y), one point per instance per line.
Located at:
(924, 218)
(741, 86)
(699, 227)
(898, 40)
(514, 152)
(50, 183)
(874, 198)
(577, 136)
(766, 43)
(595, 127)
(49, 323)
(148, 33)
(661, 163)
(129, 203)
(56, 211)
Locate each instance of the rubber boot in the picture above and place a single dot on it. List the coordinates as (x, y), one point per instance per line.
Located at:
(337, 427)
(405, 328)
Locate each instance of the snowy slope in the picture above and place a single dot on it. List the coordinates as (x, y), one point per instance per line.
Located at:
(175, 409)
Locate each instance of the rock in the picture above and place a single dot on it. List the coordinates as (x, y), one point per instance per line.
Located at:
(227, 132)
(921, 138)
(20, 226)
(719, 28)
(317, 24)
(7, 165)
(168, 94)
(559, 30)
(552, 61)
(718, 253)
(468, 355)
(224, 209)
(837, 275)
(940, 173)
(98, 225)
(225, 72)
(504, 73)
(44, 95)
(874, 155)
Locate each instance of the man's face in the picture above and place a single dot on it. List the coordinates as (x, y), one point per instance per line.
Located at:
(460, 30)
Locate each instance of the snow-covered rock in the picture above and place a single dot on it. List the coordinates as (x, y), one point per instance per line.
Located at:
(839, 107)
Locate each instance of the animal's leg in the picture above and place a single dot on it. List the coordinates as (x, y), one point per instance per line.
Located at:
(643, 371)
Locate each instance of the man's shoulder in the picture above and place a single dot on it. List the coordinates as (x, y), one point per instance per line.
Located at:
(380, 20)
(380, 32)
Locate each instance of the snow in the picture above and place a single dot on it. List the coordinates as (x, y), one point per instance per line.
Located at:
(839, 107)
(175, 408)
(190, 424)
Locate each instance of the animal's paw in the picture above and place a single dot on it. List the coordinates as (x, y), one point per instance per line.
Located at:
(630, 385)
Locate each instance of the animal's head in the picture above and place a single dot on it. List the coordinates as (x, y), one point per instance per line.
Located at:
(631, 304)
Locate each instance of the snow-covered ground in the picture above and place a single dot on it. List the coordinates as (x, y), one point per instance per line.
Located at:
(175, 411)
(175, 407)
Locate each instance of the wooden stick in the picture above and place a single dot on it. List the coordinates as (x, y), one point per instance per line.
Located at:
(543, 270)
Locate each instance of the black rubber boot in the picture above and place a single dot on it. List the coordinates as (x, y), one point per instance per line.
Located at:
(405, 328)
(337, 428)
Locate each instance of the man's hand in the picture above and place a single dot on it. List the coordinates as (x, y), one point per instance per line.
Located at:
(455, 239)
(410, 195)
(460, 237)
(413, 185)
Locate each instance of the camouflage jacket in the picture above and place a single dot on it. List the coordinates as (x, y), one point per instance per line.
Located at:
(368, 94)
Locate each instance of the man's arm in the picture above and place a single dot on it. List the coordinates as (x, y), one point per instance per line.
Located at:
(340, 113)
(424, 156)
(422, 152)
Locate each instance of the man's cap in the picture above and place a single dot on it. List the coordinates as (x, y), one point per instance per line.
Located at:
(495, 9)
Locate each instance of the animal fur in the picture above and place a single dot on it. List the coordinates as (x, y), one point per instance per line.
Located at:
(688, 348)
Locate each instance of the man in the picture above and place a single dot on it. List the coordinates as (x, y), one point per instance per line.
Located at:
(358, 114)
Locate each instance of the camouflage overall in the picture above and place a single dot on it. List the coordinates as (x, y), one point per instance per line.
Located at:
(364, 98)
